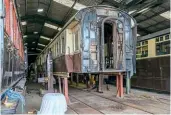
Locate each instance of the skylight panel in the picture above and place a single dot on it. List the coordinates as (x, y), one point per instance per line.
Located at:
(40, 10)
(50, 26)
(69, 3)
(35, 32)
(24, 23)
(166, 15)
(130, 12)
(25, 36)
(59, 29)
(41, 45)
(143, 10)
(43, 37)
(38, 49)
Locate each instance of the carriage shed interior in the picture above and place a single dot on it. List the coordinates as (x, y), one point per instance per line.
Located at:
(30, 27)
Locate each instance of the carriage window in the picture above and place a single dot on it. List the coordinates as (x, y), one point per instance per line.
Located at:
(76, 40)
(63, 45)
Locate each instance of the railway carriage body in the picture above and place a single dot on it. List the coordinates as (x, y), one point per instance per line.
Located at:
(96, 39)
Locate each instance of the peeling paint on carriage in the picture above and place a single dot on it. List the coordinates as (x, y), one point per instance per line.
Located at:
(80, 45)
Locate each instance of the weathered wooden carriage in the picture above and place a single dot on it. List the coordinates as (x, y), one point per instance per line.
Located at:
(98, 39)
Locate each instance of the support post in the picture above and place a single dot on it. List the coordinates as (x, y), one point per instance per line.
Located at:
(128, 85)
(100, 83)
(59, 81)
(87, 80)
(71, 78)
(66, 89)
(63, 86)
(1, 40)
(119, 85)
(77, 82)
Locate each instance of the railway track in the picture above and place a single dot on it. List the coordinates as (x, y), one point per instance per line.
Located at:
(84, 104)
(121, 103)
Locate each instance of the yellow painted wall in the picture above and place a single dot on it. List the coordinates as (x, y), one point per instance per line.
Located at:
(151, 48)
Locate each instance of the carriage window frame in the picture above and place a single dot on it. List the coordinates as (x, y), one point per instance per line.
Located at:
(76, 40)
(63, 44)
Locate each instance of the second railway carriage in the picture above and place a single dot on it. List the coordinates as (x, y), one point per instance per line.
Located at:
(96, 39)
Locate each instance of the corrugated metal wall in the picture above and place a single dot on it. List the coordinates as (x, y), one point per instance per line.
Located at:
(153, 73)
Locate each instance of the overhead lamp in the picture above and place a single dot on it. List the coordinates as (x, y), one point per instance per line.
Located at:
(43, 37)
(41, 45)
(24, 36)
(33, 42)
(50, 26)
(24, 23)
(40, 10)
(35, 32)
(166, 15)
(69, 3)
(143, 10)
(138, 35)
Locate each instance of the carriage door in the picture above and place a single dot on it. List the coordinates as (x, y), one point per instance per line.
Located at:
(89, 43)
(112, 42)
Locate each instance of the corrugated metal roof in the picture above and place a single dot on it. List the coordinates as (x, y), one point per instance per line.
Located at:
(146, 12)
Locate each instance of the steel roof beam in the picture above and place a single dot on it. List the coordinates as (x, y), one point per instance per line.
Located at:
(112, 3)
(159, 23)
(156, 14)
(132, 3)
(143, 30)
(39, 17)
(37, 35)
(151, 6)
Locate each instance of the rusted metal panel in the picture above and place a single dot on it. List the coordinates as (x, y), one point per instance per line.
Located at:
(69, 62)
(7, 17)
(59, 64)
(77, 62)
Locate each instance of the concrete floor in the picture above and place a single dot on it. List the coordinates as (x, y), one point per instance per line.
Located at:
(85, 102)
